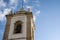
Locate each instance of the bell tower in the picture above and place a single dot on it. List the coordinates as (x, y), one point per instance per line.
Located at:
(19, 26)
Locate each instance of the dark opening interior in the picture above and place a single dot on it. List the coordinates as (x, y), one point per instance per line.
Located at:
(18, 28)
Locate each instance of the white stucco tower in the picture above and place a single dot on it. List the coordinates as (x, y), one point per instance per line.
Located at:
(19, 26)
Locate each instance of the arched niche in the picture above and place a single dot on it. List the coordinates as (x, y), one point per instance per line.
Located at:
(18, 27)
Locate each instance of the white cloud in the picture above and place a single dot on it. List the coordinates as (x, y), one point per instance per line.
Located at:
(13, 4)
(6, 11)
(37, 13)
(2, 3)
(31, 7)
(38, 5)
(25, 1)
(1, 17)
(34, 18)
(13, 1)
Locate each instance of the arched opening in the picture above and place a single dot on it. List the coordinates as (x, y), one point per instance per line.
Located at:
(18, 27)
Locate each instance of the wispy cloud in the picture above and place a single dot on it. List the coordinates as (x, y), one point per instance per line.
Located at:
(31, 7)
(34, 6)
(25, 1)
(6, 11)
(13, 4)
(2, 14)
(37, 13)
(2, 4)
(1, 17)
(34, 18)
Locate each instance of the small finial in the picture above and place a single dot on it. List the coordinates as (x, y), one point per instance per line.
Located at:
(29, 10)
(22, 8)
(10, 12)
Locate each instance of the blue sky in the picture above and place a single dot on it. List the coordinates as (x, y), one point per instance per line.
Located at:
(46, 16)
(48, 22)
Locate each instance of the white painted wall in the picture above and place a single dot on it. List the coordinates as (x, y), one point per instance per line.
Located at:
(20, 35)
